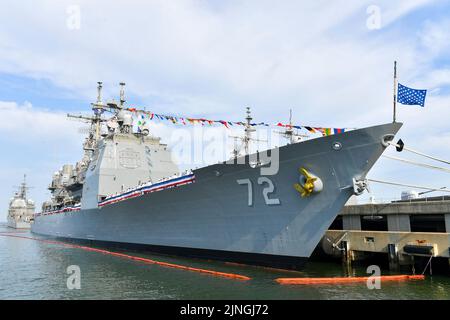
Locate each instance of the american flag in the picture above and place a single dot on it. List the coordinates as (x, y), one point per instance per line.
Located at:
(411, 96)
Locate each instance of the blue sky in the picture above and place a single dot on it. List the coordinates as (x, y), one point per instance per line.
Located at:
(212, 58)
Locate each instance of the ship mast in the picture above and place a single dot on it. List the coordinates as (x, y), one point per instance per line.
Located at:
(98, 108)
(249, 129)
(23, 188)
(122, 94)
(288, 133)
(94, 133)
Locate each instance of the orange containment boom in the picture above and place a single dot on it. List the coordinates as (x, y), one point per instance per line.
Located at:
(347, 279)
(136, 258)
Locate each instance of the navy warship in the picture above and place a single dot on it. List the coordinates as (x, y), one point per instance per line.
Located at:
(127, 192)
(21, 209)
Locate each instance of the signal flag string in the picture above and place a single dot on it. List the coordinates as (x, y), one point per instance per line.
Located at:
(144, 115)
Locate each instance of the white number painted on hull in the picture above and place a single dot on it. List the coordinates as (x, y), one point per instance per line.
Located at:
(269, 189)
(250, 189)
(266, 191)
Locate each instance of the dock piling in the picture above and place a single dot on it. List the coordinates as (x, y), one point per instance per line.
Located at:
(393, 257)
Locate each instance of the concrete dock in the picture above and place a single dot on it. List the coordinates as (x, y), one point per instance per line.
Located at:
(403, 230)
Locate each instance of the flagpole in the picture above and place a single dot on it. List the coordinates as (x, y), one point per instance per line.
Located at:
(395, 90)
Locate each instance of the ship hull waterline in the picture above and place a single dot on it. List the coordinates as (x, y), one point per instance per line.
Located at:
(22, 225)
(212, 218)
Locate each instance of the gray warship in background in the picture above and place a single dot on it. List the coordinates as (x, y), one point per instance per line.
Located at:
(21, 209)
(127, 192)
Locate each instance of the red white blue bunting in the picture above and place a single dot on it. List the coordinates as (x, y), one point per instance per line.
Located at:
(140, 191)
(76, 207)
(133, 193)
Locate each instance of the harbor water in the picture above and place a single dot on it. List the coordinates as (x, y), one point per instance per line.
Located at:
(33, 269)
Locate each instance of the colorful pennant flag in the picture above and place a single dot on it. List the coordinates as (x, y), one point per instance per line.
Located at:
(140, 114)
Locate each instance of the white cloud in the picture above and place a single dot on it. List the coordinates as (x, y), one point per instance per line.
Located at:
(23, 122)
(193, 56)
(35, 142)
(435, 36)
(402, 8)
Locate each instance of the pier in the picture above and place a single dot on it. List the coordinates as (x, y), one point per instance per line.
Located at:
(405, 231)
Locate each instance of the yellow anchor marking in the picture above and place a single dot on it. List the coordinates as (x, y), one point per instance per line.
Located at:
(308, 187)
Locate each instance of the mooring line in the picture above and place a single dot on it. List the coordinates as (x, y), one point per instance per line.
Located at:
(409, 185)
(136, 258)
(420, 164)
(418, 152)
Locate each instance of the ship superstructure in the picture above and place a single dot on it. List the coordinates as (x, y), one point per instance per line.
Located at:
(21, 209)
(115, 159)
(127, 192)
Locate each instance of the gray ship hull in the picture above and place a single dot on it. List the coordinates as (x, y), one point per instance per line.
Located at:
(211, 218)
